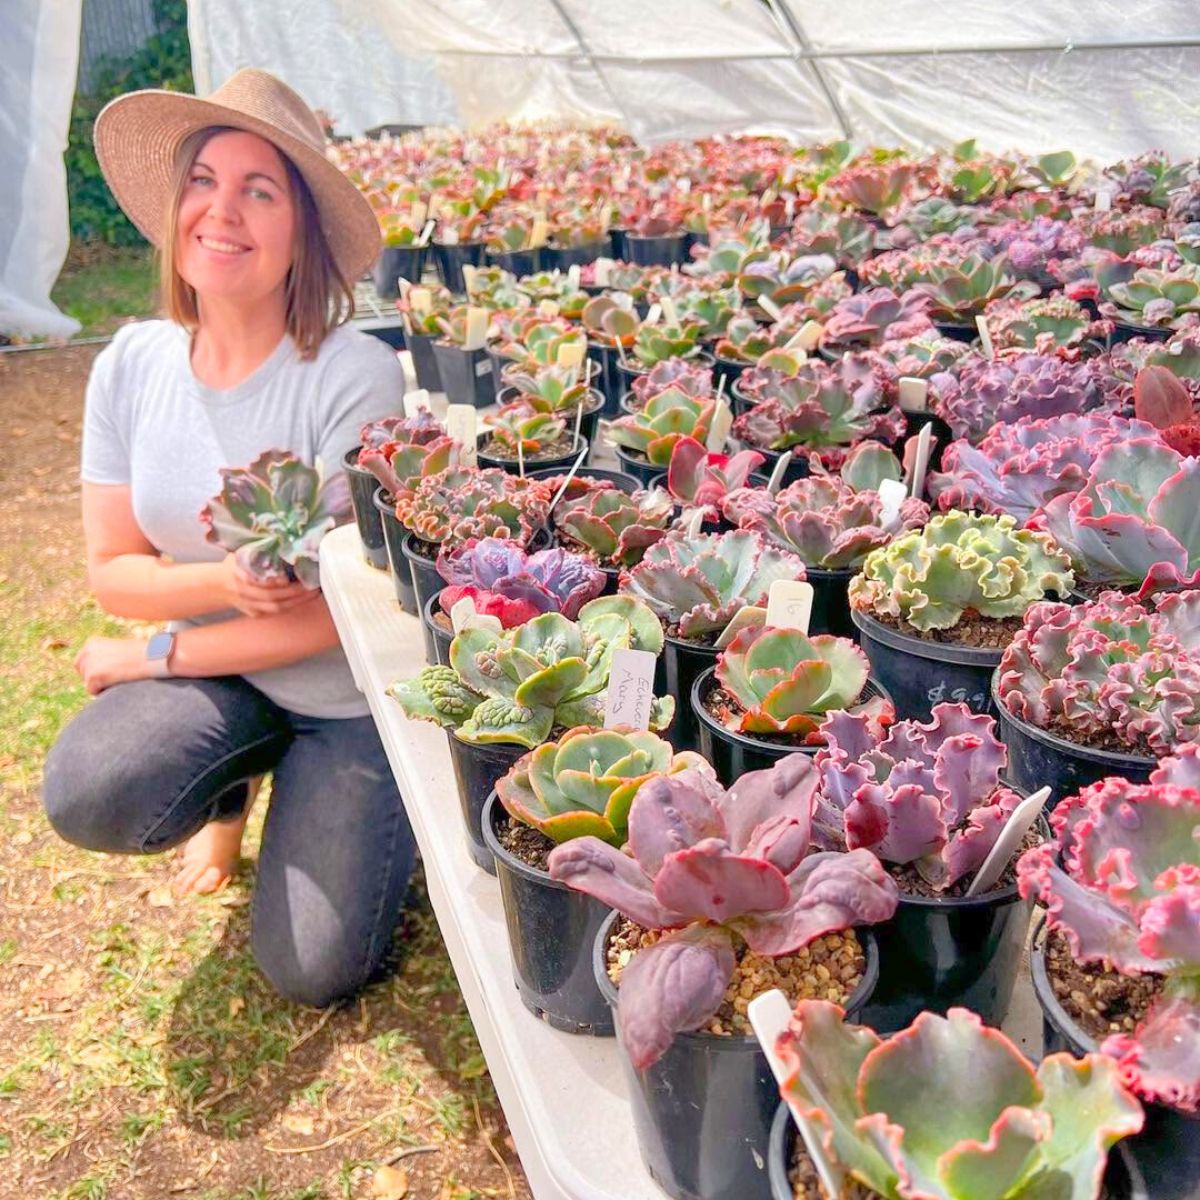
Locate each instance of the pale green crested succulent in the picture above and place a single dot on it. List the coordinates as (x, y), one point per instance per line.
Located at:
(667, 417)
(615, 526)
(518, 684)
(958, 564)
(658, 343)
(786, 681)
(549, 388)
(584, 783)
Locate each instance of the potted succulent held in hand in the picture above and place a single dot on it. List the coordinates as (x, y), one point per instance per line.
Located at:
(1119, 966)
(273, 514)
(614, 529)
(504, 581)
(721, 898)
(644, 439)
(935, 607)
(1098, 689)
(929, 801)
(580, 785)
(519, 438)
(769, 691)
(695, 586)
(507, 690)
(947, 1109)
(832, 522)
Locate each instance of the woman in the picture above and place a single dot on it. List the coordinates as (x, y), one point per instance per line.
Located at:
(259, 237)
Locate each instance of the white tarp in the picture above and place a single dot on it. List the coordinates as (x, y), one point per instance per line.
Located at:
(37, 82)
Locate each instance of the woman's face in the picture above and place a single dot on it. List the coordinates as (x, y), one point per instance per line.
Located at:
(237, 220)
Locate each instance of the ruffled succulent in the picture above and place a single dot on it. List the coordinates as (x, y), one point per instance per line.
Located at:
(654, 429)
(877, 315)
(521, 425)
(1113, 672)
(463, 503)
(785, 681)
(958, 564)
(696, 584)
(697, 479)
(709, 311)
(921, 220)
(746, 340)
(1039, 325)
(959, 292)
(660, 342)
(678, 373)
(823, 407)
(985, 392)
(506, 582)
(1149, 179)
(708, 866)
(616, 528)
(1133, 523)
(550, 388)
(401, 451)
(926, 794)
(1156, 298)
(1121, 881)
(1018, 468)
(273, 514)
(1030, 246)
(895, 1118)
(922, 357)
(583, 784)
(516, 685)
(782, 277)
(873, 187)
(823, 229)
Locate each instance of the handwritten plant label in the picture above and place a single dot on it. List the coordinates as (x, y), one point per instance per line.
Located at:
(1007, 844)
(914, 394)
(892, 494)
(920, 462)
(789, 604)
(985, 338)
(461, 424)
(416, 401)
(749, 617)
(630, 689)
(718, 433)
(776, 480)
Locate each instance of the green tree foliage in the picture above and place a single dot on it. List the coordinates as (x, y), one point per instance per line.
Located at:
(163, 61)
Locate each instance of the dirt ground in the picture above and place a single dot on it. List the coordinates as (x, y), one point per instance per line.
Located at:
(141, 1055)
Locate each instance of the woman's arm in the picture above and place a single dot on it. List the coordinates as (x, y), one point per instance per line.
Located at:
(129, 579)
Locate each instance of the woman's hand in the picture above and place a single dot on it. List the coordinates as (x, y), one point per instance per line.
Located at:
(254, 598)
(104, 661)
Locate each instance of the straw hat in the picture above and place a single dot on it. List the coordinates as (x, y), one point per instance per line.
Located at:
(137, 137)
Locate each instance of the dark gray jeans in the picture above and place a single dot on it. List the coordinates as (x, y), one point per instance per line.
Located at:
(145, 765)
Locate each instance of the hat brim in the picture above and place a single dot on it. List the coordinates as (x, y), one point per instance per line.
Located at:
(137, 138)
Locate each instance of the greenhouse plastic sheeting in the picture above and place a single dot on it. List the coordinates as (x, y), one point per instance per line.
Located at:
(37, 80)
(1107, 78)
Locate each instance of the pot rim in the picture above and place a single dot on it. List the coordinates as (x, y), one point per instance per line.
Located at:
(386, 506)
(1053, 1011)
(587, 472)
(579, 444)
(1110, 758)
(490, 746)
(491, 806)
(943, 652)
(350, 463)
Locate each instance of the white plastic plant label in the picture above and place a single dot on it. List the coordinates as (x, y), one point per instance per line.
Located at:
(418, 213)
(789, 604)
(718, 432)
(416, 401)
(603, 270)
(427, 230)
(462, 610)
(573, 273)
(571, 354)
(1103, 202)
(548, 309)
(630, 689)
(461, 424)
(914, 394)
(810, 334)
(892, 494)
(1009, 841)
(769, 307)
(539, 233)
(750, 617)
(653, 315)
(985, 337)
(420, 300)
(920, 462)
(776, 480)
(566, 483)
(694, 523)
(669, 310)
(477, 326)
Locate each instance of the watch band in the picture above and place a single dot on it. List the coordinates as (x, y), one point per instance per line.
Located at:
(158, 654)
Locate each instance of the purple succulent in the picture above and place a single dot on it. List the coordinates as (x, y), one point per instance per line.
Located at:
(877, 315)
(708, 864)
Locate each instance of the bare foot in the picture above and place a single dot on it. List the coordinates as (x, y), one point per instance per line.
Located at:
(208, 860)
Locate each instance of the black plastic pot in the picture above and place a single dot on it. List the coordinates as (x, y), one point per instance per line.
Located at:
(796, 469)
(682, 663)
(393, 540)
(831, 603)
(1167, 1151)
(618, 479)
(637, 465)
(656, 251)
(728, 369)
(441, 638)
(558, 464)
(620, 248)
(732, 754)
(450, 261)
(957, 331)
(703, 1112)
(363, 486)
(608, 381)
(517, 262)
(1122, 1179)
(424, 361)
(476, 769)
(466, 375)
(589, 427)
(551, 932)
(920, 674)
(426, 582)
(563, 258)
(1124, 332)
(1038, 758)
(937, 953)
(914, 422)
(393, 263)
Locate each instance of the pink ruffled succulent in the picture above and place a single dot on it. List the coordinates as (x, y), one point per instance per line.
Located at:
(710, 865)
(877, 315)
(927, 794)
(697, 478)
(1121, 881)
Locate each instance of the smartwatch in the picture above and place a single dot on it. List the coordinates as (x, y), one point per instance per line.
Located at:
(158, 654)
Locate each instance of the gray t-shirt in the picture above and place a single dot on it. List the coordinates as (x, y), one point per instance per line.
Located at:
(150, 424)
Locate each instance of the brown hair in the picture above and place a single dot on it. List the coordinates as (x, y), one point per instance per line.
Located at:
(318, 296)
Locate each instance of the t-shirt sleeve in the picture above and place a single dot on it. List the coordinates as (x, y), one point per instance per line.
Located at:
(106, 451)
(365, 382)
